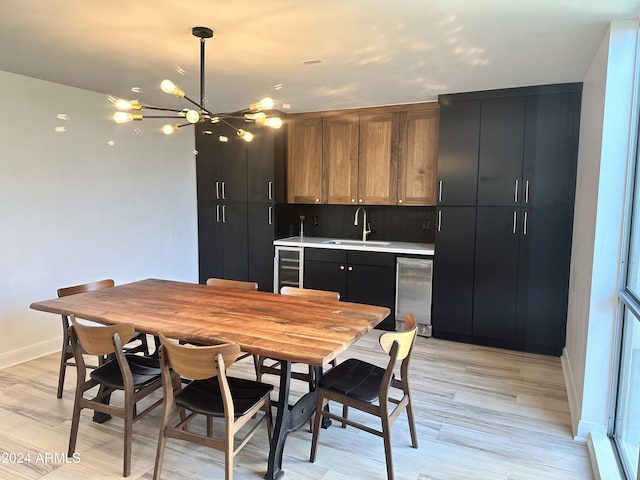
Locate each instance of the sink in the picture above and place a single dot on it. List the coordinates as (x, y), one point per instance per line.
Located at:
(371, 243)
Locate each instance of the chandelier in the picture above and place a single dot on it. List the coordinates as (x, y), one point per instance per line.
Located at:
(131, 110)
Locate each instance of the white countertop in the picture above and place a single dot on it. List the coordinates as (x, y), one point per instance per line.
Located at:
(350, 244)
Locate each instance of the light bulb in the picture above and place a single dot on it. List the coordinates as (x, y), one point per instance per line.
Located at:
(122, 104)
(273, 122)
(124, 117)
(169, 129)
(246, 136)
(264, 104)
(254, 116)
(193, 116)
(168, 86)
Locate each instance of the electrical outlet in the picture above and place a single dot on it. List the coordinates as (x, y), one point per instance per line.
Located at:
(426, 224)
(316, 222)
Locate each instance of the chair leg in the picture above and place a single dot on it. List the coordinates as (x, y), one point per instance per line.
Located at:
(63, 369)
(162, 442)
(386, 435)
(317, 418)
(228, 454)
(75, 421)
(128, 436)
(412, 425)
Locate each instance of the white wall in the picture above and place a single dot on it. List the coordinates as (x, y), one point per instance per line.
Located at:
(74, 208)
(607, 107)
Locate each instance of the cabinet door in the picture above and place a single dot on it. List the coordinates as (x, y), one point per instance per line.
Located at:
(326, 269)
(453, 270)
(261, 166)
(551, 149)
(458, 153)
(340, 153)
(496, 272)
(233, 165)
(304, 176)
(502, 125)
(208, 173)
(373, 285)
(209, 241)
(418, 158)
(235, 261)
(543, 278)
(377, 170)
(261, 234)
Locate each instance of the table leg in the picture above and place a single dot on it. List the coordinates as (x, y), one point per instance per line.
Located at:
(288, 419)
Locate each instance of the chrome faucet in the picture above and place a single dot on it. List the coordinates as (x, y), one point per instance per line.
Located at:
(365, 231)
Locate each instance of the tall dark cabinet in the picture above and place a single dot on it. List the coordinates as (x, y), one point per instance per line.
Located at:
(520, 246)
(239, 185)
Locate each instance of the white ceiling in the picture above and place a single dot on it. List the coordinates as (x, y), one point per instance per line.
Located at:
(371, 52)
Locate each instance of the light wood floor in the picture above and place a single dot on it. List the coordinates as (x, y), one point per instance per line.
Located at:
(481, 413)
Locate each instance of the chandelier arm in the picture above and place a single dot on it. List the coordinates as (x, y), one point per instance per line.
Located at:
(162, 116)
(162, 108)
(204, 110)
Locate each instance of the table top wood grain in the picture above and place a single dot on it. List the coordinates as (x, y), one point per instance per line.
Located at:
(278, 326)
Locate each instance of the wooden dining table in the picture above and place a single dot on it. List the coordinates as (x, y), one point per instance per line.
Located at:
(286, 328)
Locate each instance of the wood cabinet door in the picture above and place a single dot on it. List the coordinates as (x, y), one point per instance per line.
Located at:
(418, 158)
(305, 175)
(459, 134)
(377, 168)
(340, 152)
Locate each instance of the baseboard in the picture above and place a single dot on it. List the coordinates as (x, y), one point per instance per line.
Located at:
(572, 394)
(25, 354)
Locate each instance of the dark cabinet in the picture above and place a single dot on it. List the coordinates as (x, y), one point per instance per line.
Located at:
(238, 185)
(458, 152)
(452, 300)
(360, 277)
(520, 247)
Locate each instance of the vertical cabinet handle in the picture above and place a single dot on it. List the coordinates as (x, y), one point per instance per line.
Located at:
(217, 190)
(439, 219)
(440, 191)
(524, 226)
(526, 192)
(270, 219)
(217, 213)
(224, 214)
(515, 221)
(224, 193)
(515, 192)
(270, 190)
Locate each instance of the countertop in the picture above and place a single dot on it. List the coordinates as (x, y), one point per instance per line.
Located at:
(350, 244)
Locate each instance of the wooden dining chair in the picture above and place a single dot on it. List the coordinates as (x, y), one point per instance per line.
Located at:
(222, 282)
(138, 342)
(266, 365)
(366, 387)
(212, 394)
(241, 285)
(136, 375)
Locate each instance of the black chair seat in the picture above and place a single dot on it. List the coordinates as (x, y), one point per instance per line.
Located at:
(203, 396)
(355, 379)
(145, 371)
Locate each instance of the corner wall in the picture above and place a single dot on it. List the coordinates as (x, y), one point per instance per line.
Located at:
(97, 200)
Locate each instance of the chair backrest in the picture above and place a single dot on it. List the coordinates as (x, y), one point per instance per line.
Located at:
(220, 282)
(98, 340)
(310, 293)
(405, 338)
(197, 362)
(85, 287)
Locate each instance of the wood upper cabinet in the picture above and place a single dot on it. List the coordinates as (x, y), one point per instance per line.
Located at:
(369, 156)
(340, 152)
(418, 157)
(377, 165)
(304, 177)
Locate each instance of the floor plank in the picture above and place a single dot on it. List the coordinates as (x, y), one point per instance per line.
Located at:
(481, 413)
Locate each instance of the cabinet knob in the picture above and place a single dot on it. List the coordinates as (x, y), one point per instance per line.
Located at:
(400, 201)
(317, 200)
(350, 269)
(341, 267)
(360, 200)
(353, 200)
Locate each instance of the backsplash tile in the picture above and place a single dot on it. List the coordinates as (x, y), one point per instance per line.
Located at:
(392, 223)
